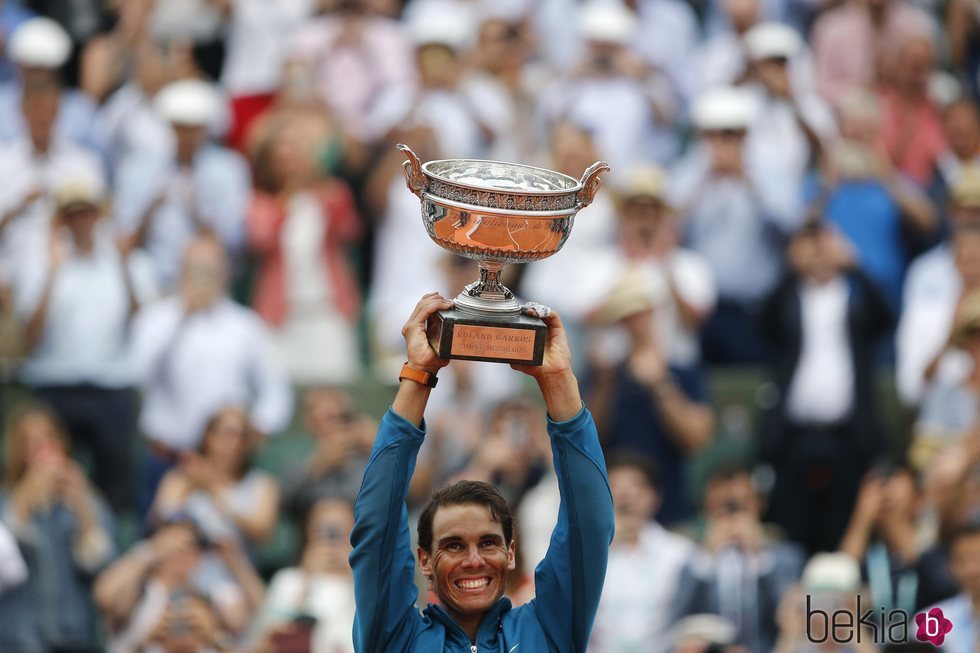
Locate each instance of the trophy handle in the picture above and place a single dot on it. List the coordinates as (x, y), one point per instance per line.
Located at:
(414, 177)
(591, 182)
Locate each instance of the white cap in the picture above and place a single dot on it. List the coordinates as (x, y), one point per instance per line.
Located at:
(39, 43)
(189, 102)
(603, 21)
(724, 108)
(79, 188)
(510, 11)
(832, 572)
(445, 26)
(772, 40)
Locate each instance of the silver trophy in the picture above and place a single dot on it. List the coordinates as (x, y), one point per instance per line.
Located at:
(495, 213)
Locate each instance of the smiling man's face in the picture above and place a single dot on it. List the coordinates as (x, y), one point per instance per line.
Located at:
(469, 560)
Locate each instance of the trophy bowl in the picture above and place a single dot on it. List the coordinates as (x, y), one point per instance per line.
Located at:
(495, 213)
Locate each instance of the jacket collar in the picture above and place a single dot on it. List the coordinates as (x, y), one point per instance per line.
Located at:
(485, 635)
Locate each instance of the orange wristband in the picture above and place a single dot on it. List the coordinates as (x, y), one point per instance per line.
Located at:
(419, 376)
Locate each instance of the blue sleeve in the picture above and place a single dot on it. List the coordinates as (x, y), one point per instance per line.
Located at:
(568, 582)
(384, 569)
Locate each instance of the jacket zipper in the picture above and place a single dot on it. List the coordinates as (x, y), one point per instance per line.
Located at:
(473, 648)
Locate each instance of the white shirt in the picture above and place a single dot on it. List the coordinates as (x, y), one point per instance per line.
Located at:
(22, 171)
(667, 37)
(721, 60)
(732, 222)
(693, 280)
(191, 366)
(618, 111)
(13, 569)
(576, 279)
(328, 598)
(259, 35)
(777, 142)
(448, 112)
(86, 332)
(637, 600)
(217, 187)
(822, 389)
(931, 293)
(128, 126)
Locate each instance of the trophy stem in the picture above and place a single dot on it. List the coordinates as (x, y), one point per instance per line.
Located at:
(487, 296)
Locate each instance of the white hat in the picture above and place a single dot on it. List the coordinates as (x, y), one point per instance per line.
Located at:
(831, 572)
(189, 102)
(724, 108)
(445, 26)
(39, 43)
(607, 22)
(79, 188)
(771, 41)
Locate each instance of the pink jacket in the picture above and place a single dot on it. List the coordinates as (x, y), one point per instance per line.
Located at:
(266, 217)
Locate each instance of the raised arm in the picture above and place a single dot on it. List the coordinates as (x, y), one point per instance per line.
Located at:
(568, 582)
(384, 569)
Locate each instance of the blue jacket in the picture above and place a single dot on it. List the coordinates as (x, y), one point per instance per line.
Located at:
(568, 582)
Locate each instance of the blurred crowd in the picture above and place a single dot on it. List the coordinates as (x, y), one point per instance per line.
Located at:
(206, 242)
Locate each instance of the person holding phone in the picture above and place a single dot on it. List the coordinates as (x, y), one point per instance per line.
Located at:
(466, 547)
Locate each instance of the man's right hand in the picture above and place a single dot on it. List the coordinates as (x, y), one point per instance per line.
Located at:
(421, 356)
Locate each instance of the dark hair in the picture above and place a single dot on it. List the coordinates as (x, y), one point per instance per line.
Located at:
(462, 493)
(969, 528)
(631, 459)
(727, 470)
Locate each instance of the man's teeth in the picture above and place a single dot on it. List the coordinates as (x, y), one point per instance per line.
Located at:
(473, 584)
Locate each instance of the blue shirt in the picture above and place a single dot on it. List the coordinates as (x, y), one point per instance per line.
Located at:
(568, 581)
(635, 424)
(867, 215)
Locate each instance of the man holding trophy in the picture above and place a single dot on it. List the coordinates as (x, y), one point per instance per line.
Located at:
(466, 532)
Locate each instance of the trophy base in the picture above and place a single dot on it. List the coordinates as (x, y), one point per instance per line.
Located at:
(518, 339)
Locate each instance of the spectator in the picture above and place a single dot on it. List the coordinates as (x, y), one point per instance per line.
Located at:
(737, 217)
(962, 609)
(199, 23)
(129, 127)
(645, 564)
(961, 130)
(363, 53)
(511, 453)
(881, 213)
(219, 487)
(313, 602)
(822, 430)
(65, 532)
(589, 256)
(301, 224)
(645, 404)
(178, 591)
(649, 235)
(341, 444)
(258, 39)
(629, 106)
(438, 100)
(33, 164)
(164, 202)
(39, 48)
(106, 59)
(852, 41)
(935, 286)
(667, 36)
(727, 576)
(792, 123)
(883, 536)
(197, 352)
(949, 405)
(75, 297)
(961, 31)
(833, 582)
(912, 128)
(504, 87)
